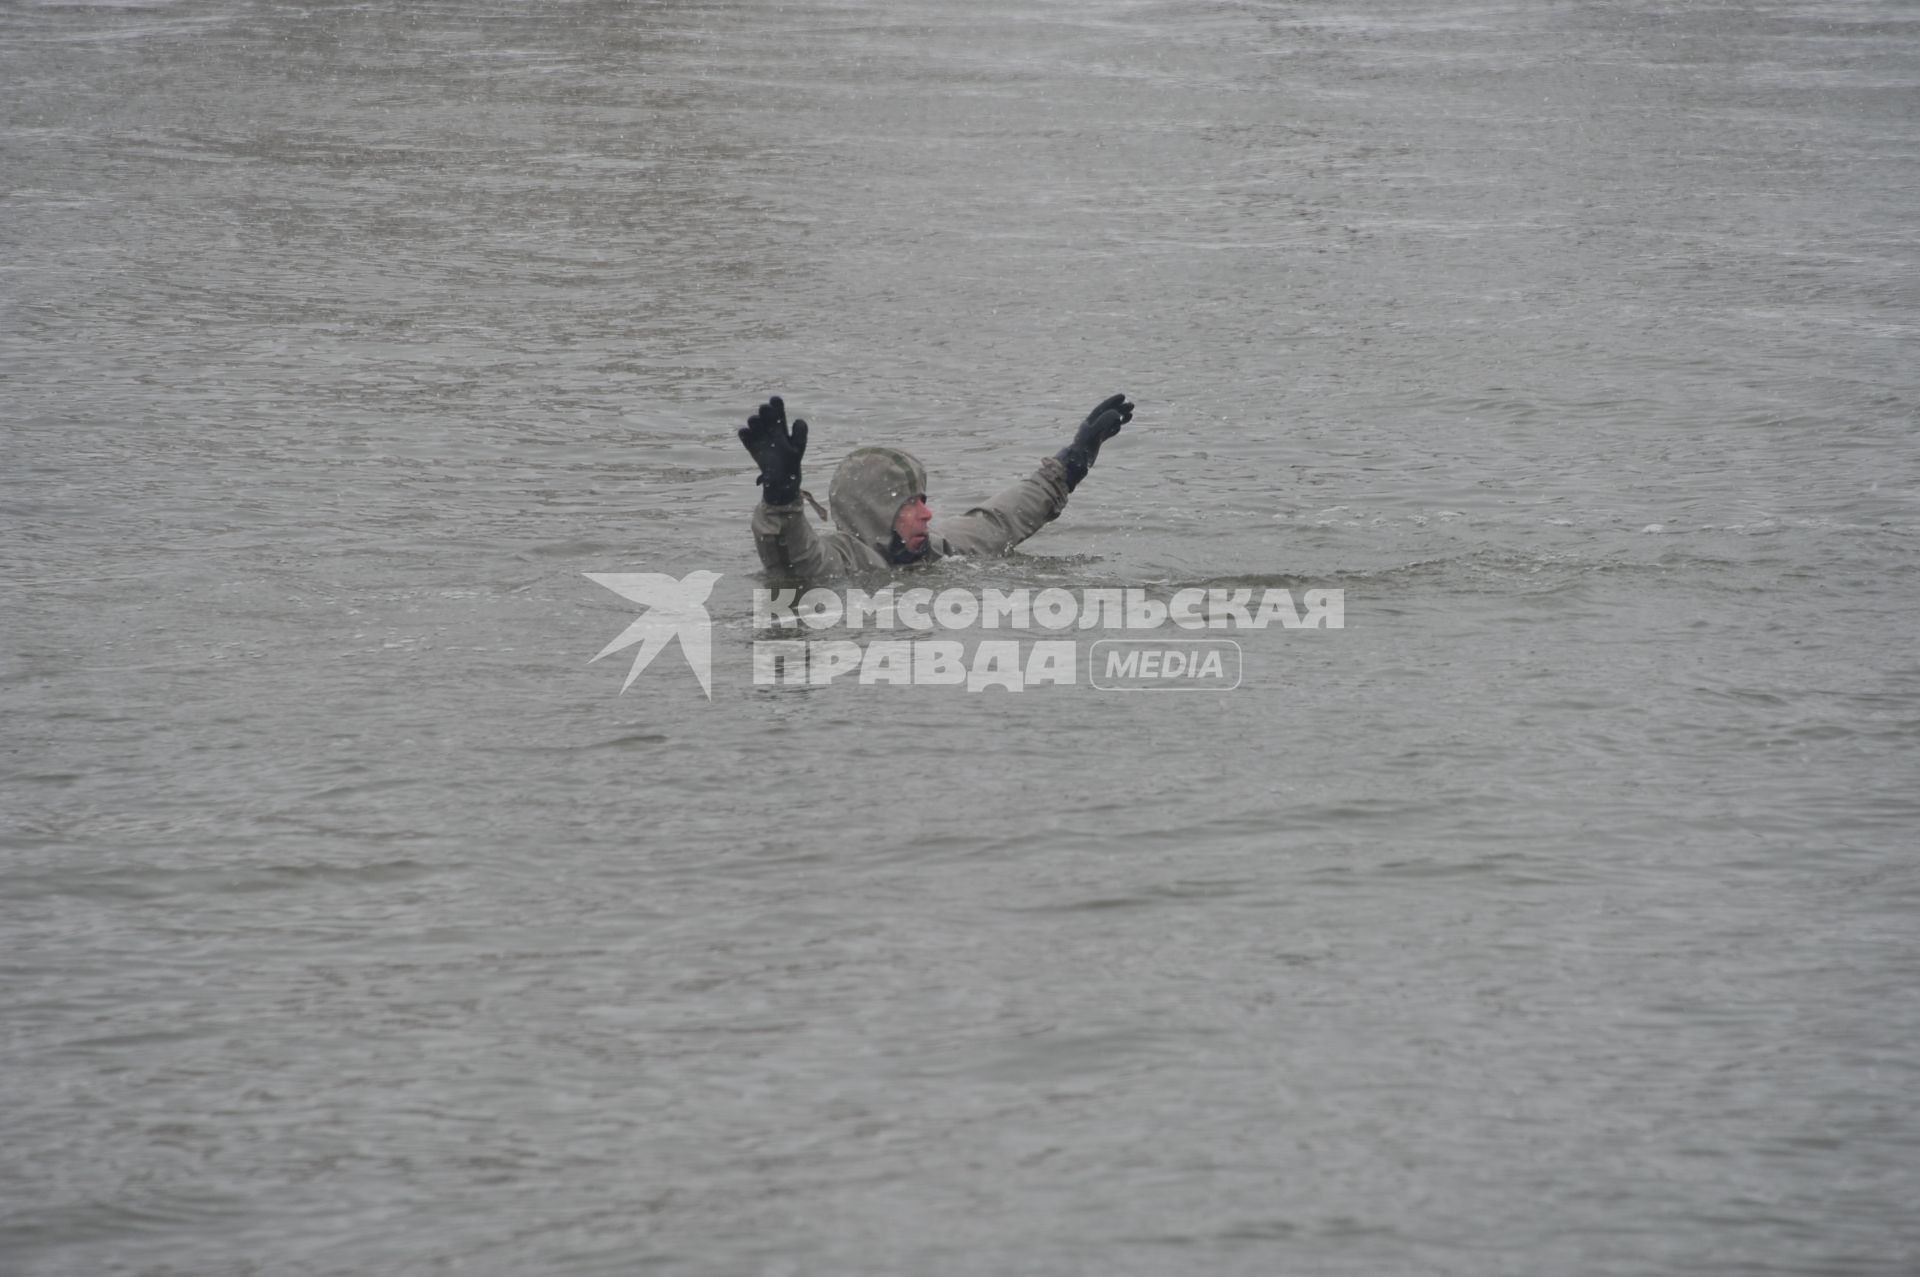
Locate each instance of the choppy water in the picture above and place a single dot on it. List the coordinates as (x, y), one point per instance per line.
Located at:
(1559, 915)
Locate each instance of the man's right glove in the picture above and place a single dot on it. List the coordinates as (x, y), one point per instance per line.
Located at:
(1102, 424)
(777, 452)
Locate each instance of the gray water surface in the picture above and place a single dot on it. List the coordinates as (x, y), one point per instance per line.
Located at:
(1558, 915)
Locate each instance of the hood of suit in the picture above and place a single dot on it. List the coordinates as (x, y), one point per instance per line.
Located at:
(868, 490)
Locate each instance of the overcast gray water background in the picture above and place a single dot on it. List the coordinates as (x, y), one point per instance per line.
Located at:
(1559, 915)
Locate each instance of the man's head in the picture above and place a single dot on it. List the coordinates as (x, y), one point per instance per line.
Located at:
(873, 498)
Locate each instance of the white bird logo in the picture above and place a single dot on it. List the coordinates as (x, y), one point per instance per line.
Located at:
(678, 608)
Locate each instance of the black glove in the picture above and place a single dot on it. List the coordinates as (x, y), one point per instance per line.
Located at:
(1102, 424)
(777, 452)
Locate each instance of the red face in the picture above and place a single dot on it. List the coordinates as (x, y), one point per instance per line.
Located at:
(911, 523)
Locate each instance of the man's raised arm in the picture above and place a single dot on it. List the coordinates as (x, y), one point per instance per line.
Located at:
(996, 526)
(781, 533)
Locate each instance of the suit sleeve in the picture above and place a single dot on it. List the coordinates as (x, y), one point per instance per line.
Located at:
(788, 545)
(996, 526)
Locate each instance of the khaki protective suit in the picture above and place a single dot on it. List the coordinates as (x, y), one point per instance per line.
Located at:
(868, 490)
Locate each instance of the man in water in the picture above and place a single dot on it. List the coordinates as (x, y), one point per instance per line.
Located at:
(878, 501)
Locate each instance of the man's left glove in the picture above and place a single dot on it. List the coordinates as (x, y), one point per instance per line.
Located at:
(777, 451)
(1102, 424)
